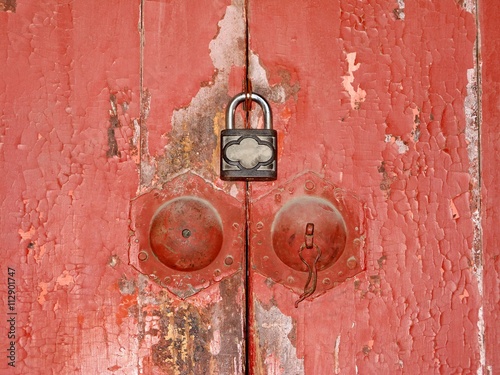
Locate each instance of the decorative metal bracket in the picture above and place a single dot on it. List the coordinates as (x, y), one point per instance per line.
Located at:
(277, 234)
(187, 236)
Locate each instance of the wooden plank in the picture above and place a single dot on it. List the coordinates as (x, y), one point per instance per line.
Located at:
(70, 90)
(71, 154)
(193, 62)
(371, 96)
(490, 74)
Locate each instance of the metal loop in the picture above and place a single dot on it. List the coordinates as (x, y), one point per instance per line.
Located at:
(238, 99)
(312, 279)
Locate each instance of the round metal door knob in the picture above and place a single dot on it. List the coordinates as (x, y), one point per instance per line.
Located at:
(287, 230)
(186, 234)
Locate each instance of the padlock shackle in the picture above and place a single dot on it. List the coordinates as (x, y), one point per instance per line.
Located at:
(240, 98)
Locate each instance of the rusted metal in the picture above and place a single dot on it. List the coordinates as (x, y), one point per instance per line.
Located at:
(312, 269)
(338, 234)
(186, 236)
(288, 228)
(309, 236)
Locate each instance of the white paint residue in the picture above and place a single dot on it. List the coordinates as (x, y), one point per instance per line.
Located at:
(401, 9)
(234, 191)
(215, 343)
(273, 328)
(336, 355)
(402, 147)
(225, 49)
(470, 6)
(65, 279)
(258, 77)
(400, 144)
(357, 95)
(472, 120)
(137, 133)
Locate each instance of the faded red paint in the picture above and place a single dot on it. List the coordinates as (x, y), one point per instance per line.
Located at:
(379, 112)
(490, 45)
(64, 214)
(370, 95)
(188, 69)
(76, 128)
(186, 109)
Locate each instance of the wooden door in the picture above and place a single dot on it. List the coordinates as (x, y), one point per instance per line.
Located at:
(92, 118)
(111, 110)
(379, 100)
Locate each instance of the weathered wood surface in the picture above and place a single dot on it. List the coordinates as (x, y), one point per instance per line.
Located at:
(377, 97)
(74, 75)
(101, 102)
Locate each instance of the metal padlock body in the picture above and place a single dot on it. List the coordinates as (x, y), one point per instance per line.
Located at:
(248, 154)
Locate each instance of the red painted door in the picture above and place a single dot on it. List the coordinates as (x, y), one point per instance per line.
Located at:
(109, 139)
(378, 100)
(93, 117)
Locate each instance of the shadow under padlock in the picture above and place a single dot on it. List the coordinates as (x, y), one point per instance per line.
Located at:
(248, 154)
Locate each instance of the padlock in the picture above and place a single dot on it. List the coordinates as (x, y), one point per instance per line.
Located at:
(248, 154)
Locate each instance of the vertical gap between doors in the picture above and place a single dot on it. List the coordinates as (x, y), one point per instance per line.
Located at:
(248, 282)
(478, 235)
(141, 89)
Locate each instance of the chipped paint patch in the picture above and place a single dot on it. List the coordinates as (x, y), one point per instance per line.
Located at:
(357, 94)
(114, 260)
(44, 291)
(8, 5)
(287, 87)
(274, 329)
(336, 355)
(398, 142)
(468, 5)
(65, 279)
(454, 212)
(27, 235)
(415, 132)
(199, 122)
(388, 177)
(399, 12)
(114, 123)
(39, 256)
(234, 191)
(215, 343)
(259, 79)
(202, 335)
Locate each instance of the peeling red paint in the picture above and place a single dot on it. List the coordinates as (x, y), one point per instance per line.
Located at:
(379, 98)
(186, 110)
(490, 116)
(67, 208)
(384, 116)
(8, 5)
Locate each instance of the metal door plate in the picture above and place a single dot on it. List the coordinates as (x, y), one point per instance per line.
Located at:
(275, 238)
(188, 235)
